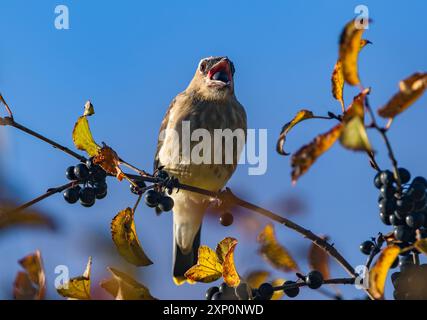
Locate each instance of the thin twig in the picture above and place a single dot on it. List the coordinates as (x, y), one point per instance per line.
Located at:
(383, 133)
(137, 203)
(8, 121)
(6, 105)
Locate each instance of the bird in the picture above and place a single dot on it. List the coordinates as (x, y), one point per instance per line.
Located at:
(209, 103)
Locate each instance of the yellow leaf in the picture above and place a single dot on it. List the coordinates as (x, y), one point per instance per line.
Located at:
(83, 139)
(257, 278)
(108, 160)
(338, 83)
(273, 252)
(410, 90)
(208, 267)
(126, 240)
(300, 116)
(229, 273)
(278, 294)
(421, 245)
(350, 44)
(378, 273)
(318, 260)
(123, 287)
(77, 287)
(304, 158)
(354, 136)
(33, 266)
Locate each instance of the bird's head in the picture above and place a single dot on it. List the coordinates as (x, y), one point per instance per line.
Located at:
(214, 78)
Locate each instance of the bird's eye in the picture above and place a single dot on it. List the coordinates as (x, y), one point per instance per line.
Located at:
(202, 66)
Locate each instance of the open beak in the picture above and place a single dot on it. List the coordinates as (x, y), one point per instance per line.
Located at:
(221, 73)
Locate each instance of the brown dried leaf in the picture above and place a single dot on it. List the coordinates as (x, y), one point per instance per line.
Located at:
(123, 287)
(126, 240)
(276, 254)
(378, 273)
(410, 90)
(229, 273)
(337, 81)
(304, 158)
(300, 116)
(33, 267)
(108, 160)
(318, 259)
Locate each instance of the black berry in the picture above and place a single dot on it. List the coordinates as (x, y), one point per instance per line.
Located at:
(165, 203)
(242, 291)
(367, 247)
(71, 195)
(226, 219)
(385, 218)
(265, 291)
(314, 279)
(420, 180)
(403, 233)
(217, 296)
(415, 220)
(386, 178)
(377, 181)
(292, 292)
(87, 196)
(100, 189)
(210, 292)
(81, 171)
(404, 175)
(141, 184)
(152, 198)
(69, 173)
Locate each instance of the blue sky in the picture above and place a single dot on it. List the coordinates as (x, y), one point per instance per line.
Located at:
(132, 57)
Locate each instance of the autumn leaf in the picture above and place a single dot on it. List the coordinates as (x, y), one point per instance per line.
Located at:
(411, 89)
(33, 280)
(421, 245)
(337, 80)
(83, 139)
(256, 278)
(301, 116)
(353, 135)
(27, 218)
(378, 273)
(350, 45)
(123, 287)
(78, 287)
(126, 240)
(273, 252)
(318, 260)
(212, 265)
(304, 158)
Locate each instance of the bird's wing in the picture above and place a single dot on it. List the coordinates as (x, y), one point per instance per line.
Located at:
(163, 126)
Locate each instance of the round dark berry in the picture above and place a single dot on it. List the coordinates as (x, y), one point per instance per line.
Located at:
(403, 233)
(377, 180)
(404, 205)
(217, 296)
(420, 180)
(314, 279)
(243, 291)
(210, 292)
(292, 292)
(152, 198)
(166, 203)
(387, 206)
(223, 287)
(71, 195)
(385, 218)
(69, 173)
(81, 171)
(395, 220)
(420, 205)
(405, 175)
(417, 191)
(97, 174)
(387, 191)
(100, 189)
(386, 178)
(87, 196)
(226, 219)
(89, 163)
(265, 291)
(162, 175)
(367, 247)
(141, 185)
(415, 220)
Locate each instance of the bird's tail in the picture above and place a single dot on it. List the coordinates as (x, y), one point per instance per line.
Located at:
(182, 262)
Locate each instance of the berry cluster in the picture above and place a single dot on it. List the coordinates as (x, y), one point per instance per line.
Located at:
(157, 198)
(90, 183)
(405, 210)
(313, 280)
